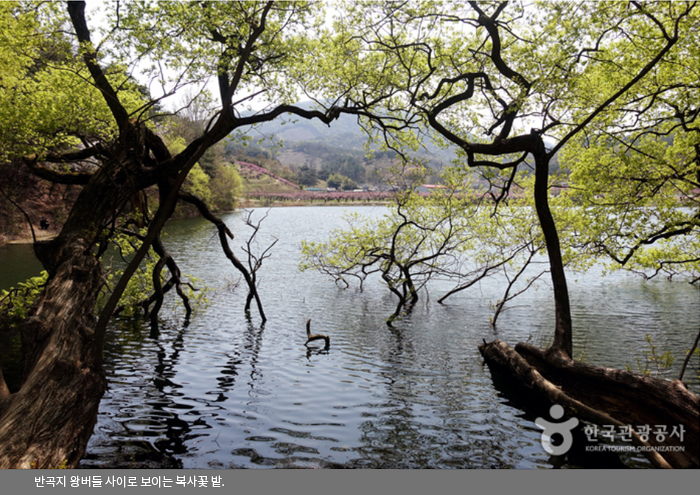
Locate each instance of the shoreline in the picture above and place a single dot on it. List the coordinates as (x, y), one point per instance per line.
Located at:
(42, 235)
(283, 204)
(27, 238)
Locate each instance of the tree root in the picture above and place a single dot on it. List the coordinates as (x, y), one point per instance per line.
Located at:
(606, 397)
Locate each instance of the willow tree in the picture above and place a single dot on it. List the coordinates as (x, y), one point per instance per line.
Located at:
(247, 49)
(450, 234)
(506, 83)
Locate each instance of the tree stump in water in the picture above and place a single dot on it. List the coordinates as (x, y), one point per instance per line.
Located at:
(311, 337)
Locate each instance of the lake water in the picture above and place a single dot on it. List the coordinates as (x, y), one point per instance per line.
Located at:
(224, 392)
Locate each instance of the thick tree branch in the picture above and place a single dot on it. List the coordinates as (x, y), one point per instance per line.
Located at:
(76, 10)
(74, 178)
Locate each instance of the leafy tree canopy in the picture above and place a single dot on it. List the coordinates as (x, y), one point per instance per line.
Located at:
(47, 100)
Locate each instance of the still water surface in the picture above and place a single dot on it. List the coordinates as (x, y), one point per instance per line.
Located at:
(225, 392)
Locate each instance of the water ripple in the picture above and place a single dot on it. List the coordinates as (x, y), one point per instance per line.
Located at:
(226, 392)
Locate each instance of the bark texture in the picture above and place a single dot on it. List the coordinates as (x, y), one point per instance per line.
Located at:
(60, 372)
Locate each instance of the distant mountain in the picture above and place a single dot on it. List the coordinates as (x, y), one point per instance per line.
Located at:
(343, 133)
(291, 129)
(295, 142)
(309, 151)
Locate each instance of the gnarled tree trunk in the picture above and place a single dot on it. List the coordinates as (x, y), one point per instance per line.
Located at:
(61, 373)
(600, 395)
(49, 420)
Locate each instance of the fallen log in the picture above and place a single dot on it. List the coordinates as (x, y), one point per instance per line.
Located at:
(606, 396)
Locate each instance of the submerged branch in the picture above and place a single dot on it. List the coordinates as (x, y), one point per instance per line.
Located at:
(224, 235)
(507, 296)
(319, 336)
